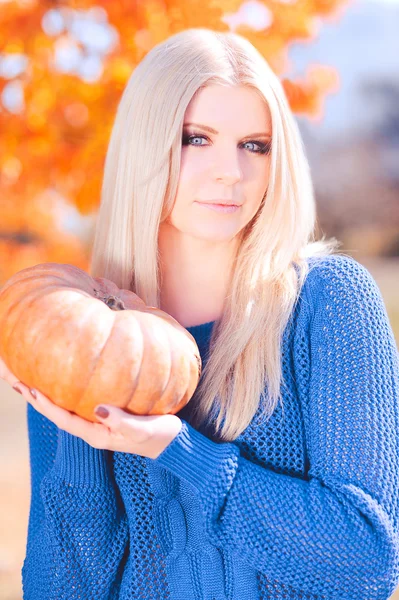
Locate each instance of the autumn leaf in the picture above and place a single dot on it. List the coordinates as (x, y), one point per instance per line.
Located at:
(55, 129)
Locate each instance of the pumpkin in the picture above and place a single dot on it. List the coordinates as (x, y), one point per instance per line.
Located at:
(81, 341)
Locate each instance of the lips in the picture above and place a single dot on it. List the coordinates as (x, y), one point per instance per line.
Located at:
(220, 208)
(219, 203)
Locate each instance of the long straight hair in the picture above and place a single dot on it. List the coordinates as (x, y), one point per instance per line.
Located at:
(140, 182)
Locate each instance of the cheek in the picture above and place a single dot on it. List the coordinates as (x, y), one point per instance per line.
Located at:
(256, 188)
(257, 183)
(263, 180)
(191, 165)
(262, 173)
(191, 178)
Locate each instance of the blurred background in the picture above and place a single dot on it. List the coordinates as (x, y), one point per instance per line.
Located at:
(63, 67)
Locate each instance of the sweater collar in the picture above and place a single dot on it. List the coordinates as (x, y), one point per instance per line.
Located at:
(202, 334)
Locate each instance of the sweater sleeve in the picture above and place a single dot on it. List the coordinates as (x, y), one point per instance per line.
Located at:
(78, 528)
(42, 438)
(335, 533)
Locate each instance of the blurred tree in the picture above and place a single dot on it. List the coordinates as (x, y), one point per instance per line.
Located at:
(356, 177)
(382, 96)
(63, 67)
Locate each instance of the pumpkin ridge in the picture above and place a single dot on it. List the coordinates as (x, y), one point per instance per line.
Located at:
(55, 323)
(146, 354)
(173, 357)
(32, 277)
(171, 362)
(99, 358)
(51, 331)
(19, 305)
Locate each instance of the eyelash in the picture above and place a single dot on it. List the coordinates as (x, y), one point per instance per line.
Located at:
(264, 147)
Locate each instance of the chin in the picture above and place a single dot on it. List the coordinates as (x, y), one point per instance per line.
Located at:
(216, 235)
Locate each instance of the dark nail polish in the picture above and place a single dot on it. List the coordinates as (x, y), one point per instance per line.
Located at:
(102, 412)
(16, 388)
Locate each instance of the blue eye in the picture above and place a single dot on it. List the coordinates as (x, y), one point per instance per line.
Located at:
(263, 148)
(189, 138)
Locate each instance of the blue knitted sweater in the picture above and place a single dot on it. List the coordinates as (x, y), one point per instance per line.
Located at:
(301, 506)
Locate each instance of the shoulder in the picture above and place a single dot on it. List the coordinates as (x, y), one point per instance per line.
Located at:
(341, 279)
(339, 293)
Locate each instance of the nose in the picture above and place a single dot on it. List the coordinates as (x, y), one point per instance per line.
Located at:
(227, 168)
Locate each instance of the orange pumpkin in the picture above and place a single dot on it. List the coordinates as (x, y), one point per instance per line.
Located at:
(82, 341)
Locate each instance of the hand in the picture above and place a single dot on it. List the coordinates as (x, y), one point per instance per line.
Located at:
(120, 432)
(6, 374)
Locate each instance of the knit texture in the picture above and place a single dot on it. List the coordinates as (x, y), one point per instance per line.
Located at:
(303, 505)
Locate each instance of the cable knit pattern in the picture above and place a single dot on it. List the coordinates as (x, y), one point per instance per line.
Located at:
(303, 505)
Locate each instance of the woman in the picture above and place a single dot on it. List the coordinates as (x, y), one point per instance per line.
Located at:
(279, 477)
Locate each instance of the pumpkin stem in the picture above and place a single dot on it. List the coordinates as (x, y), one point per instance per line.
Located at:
(113, 302)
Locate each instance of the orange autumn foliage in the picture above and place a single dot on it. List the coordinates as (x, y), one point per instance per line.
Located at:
(57, 140)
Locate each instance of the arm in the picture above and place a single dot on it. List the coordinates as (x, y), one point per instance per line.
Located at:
(334, 534)
(78, 529)
(42, 437)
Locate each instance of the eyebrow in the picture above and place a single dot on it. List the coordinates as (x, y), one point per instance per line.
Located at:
(211, 130)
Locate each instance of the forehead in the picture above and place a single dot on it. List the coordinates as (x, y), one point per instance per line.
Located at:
(229, 106)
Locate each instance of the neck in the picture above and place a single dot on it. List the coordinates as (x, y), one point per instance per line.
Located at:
(195, 275)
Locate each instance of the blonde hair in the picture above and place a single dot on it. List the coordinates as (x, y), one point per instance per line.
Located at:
(139, 186)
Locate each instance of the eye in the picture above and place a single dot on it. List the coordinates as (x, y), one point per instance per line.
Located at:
(262, 147)
(194, 140)
(191, 140)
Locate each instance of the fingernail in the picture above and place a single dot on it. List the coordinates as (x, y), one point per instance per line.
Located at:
(101, 412)
(33, 393)
(16, 388)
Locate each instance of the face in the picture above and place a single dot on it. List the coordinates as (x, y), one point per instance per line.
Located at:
(225, 159)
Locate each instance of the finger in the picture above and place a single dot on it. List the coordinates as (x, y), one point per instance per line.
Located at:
(61, 417)
(66, 420)
(136, 427)
(6, 374)
(22, 389)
